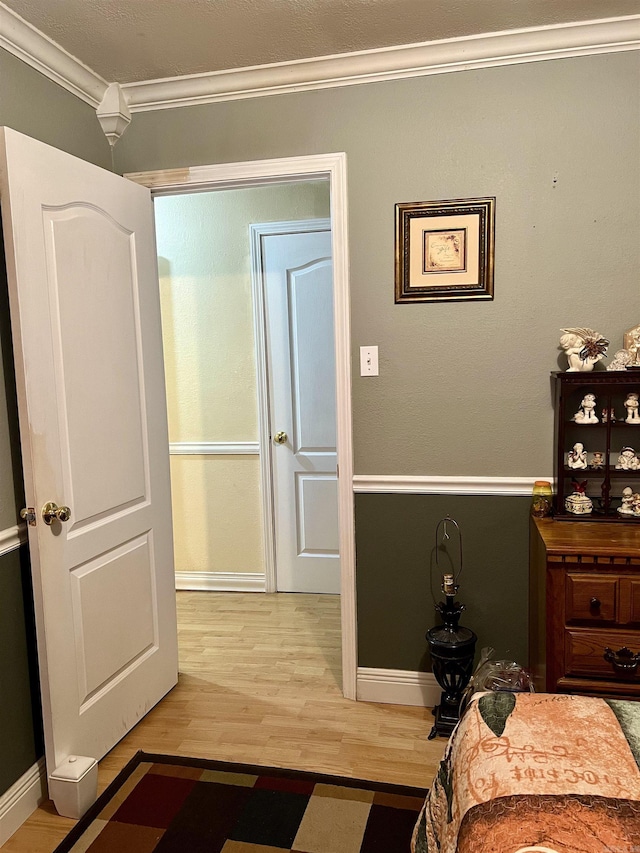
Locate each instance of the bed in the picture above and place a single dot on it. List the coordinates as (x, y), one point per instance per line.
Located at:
(526, 772)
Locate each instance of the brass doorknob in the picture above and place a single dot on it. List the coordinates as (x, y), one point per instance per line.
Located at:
(280, 438)
(51, 511)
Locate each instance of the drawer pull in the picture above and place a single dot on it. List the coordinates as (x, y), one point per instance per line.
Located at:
(595, 603)
(623, 661)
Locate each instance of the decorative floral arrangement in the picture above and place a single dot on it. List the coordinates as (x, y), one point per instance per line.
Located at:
(583, 347)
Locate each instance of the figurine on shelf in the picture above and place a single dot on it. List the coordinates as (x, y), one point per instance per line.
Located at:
(587, 412)
(621, 360)
(628, 461)
(578, 503)
(631, 342)
(598, 459)
(631, 405)
(608, 415)
(583, 348)
(629, 502)
(577, 457)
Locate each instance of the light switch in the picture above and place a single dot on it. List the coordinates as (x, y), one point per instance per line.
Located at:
(368, 361)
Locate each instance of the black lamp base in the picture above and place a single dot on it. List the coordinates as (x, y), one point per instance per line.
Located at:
(452, 651)
(446, 717)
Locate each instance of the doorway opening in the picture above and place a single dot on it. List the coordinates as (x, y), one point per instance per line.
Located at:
(205, 461)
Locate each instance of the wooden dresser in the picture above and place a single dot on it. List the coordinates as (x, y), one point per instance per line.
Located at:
(584, 607)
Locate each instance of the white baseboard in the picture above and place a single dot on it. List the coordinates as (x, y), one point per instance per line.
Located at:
(22, 799)
(221, 581)
(397, 687)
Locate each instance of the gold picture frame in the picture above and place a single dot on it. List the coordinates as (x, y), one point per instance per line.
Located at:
(444, 250)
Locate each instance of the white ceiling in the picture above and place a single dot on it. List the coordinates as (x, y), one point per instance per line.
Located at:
(134, 40)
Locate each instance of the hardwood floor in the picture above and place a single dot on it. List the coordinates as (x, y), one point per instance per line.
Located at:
(260, 683)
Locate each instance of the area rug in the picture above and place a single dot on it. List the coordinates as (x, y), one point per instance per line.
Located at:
(169, 804)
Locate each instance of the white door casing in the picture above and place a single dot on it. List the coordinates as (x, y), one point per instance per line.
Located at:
(82, 270)
(296, 277)
(312, 167)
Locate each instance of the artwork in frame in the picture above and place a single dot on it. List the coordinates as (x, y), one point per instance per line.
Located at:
(445, 250)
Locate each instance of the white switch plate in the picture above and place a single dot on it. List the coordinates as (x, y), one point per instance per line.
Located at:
(368, 361)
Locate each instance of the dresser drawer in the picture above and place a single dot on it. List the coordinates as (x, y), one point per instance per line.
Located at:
(585, 653)
(591, 597)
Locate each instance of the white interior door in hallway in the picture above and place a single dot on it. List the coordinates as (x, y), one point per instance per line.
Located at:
(298, 299)
(82, 272)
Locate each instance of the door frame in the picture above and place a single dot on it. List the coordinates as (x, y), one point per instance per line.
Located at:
(257, 231)
(285, 170)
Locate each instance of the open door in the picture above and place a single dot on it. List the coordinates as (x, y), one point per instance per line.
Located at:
(82, 273)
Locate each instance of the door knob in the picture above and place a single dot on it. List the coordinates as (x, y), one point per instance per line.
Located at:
(51, 511)
(280, 438)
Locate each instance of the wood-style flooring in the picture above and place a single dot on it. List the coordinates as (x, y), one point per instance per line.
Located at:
(260, 684)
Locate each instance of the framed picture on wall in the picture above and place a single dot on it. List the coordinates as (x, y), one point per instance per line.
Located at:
(444, 250)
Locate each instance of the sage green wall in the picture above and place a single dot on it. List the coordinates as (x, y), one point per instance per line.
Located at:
(396, 538)
(463, 387)
(34, 105)
(37, 107)
(20, 719)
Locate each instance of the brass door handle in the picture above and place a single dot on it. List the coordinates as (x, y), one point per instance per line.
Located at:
(280, 438)
(51, 511)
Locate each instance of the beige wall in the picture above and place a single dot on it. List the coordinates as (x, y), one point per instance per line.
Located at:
(207, 315)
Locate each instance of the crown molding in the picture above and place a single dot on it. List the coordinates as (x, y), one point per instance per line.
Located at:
(487, 50)
(24, 41)
(415, 60)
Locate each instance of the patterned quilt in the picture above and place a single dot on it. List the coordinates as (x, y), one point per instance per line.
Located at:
(537, 773)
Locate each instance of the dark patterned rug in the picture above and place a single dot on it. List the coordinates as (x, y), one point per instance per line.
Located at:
(169, 804)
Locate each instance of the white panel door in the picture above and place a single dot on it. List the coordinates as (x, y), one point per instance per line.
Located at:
(302, 390)
(82, 274)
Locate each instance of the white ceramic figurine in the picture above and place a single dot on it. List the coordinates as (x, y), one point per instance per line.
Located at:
(583, 348)
(587, 412)
(628, 461)
(631, 405)
(577, 457)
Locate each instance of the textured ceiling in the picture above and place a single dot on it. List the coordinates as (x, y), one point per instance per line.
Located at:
(133, 40)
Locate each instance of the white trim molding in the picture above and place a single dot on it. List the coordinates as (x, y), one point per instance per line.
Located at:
(263, 172)
(22, 799)
(221, 581)
(12, 538)
(214, 448)
(24, 41)
(428, 485)
(397, 687)
(485, 50)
